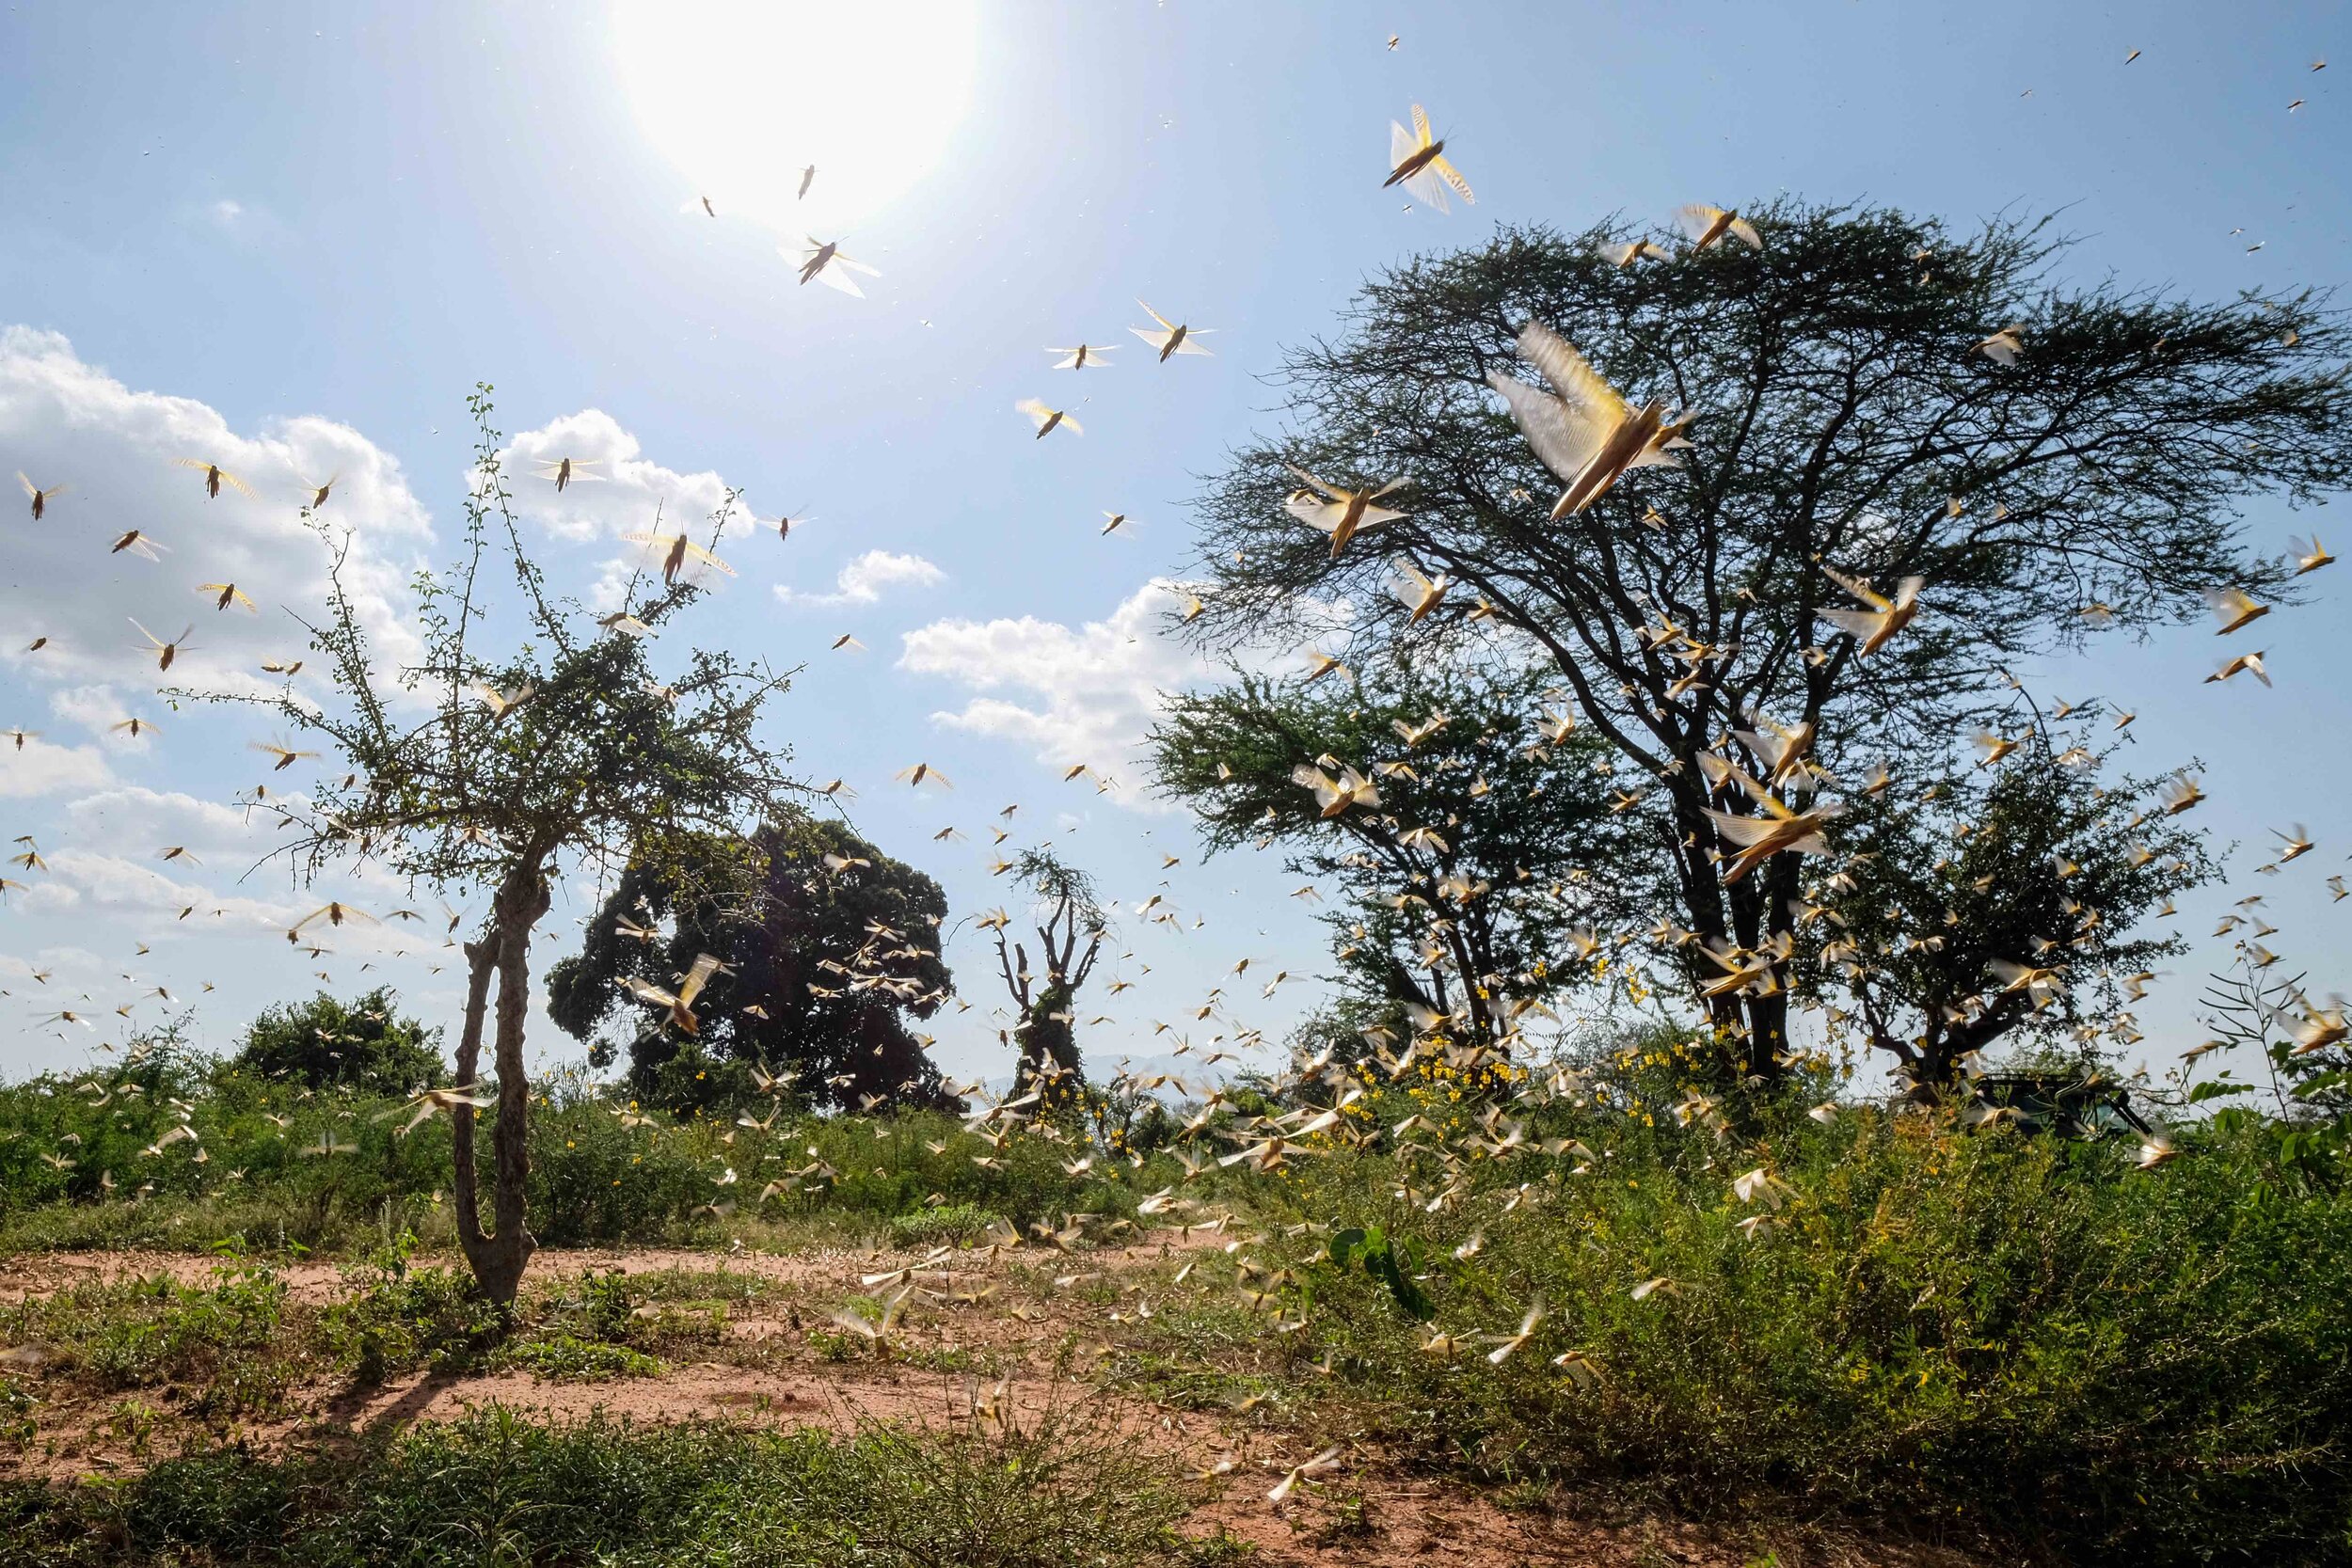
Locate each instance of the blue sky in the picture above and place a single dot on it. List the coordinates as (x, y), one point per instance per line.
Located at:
(321, 226)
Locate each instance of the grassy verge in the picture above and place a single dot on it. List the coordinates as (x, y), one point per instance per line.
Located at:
(497, 1489)
(1963, 1334)
(75, 1173)
(177, 1361)
(1880, 1319)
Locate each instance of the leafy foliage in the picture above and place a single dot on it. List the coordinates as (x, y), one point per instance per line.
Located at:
(563, 751)
(144, 1333)
(1949, 895)
(1521, 844)
(1393, 1263)
(1842, 416)
(362, 1044)
(600, 1171)
(838, 949)
(1986, 1331)
(1971, 1332)
(494, 1488)
(2299, 1111)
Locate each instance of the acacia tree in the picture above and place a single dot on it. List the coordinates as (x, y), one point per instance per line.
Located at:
(821, 973)
(1842, 414)
(1495, 839)
(559, 754)
(1997, 903)
(1068, 911)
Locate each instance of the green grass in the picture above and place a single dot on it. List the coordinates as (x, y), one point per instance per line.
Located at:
(396, 1317)
(223, 1343)
(170, 1354)
(595, 1180)
(496, 1489)
(568, 1358)
(1964, 1335)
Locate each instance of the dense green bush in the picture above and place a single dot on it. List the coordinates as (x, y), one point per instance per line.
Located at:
(362, 1044)
(2023, 1335)
(948, 1225)
(396, 1316)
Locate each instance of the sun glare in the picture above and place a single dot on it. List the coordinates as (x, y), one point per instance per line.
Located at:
(743, 97)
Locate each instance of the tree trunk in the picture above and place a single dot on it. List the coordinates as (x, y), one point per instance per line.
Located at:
(1049, 1047)
(497, 1259)
(1768, 1037)
(481, 961)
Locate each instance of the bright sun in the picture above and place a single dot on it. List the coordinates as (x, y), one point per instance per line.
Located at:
(743, 95)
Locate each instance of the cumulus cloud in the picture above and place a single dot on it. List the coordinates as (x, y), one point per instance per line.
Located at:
(116, 452)
(165, 903)
(133, 816)
(40, 767)
(614, 489)
(111, 862)
(95, 709)
(71, 964)
(1091, 691)
(863, 581)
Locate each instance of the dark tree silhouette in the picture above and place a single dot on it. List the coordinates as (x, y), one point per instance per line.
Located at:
(836, 953)
(1068, 913)
(1843, 416)
(1482, 910)
(1998, 904)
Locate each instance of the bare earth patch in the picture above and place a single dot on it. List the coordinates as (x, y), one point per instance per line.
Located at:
(1033, 1339)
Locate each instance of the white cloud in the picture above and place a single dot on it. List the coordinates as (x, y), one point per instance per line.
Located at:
(617, 492)
(239, 222)
(863, 581)
(42, 768)
(612, 490)
(96, 708)
(130, 881)
(133, 816)
(59, 964)
(116, 450)
(117, 884)
(1100, 683)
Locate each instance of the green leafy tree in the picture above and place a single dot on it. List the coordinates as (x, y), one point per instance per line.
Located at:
(1843, 413)
(1493, 856)
(501, 770)
(821, 973)
(1999, 903)
(363, 1044)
